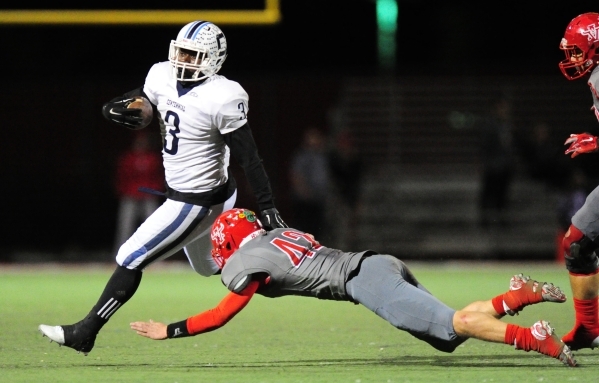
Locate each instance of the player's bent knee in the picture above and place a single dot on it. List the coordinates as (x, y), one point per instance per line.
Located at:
(462, 323)
(580, 253)
(477, 325)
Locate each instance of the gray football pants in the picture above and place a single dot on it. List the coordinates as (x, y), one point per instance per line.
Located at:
(385, 285)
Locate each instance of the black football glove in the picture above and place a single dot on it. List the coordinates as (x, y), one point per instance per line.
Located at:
(271, 219)
(116, 111)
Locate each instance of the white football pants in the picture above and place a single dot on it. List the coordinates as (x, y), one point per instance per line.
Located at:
(174, 226)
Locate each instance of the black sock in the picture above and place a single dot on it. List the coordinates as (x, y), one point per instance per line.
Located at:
(120, 287)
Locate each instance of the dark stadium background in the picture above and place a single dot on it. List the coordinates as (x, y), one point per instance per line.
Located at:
(58, 153)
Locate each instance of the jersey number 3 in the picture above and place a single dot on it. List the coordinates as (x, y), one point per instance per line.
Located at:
(173, 132)
(297, 250)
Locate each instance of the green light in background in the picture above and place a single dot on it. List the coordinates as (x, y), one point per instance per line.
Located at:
(386, 18)
(386, 15)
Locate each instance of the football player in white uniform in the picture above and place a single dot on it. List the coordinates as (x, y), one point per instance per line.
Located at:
(203, 120)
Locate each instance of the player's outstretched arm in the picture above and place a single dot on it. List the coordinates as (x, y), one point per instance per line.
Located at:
(581, 143)
(206, 321)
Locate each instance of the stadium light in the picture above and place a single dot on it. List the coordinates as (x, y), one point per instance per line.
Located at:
(386, 18)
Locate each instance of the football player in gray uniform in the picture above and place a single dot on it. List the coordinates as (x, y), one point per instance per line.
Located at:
(203, 120)
(290, 262)
(581, 47)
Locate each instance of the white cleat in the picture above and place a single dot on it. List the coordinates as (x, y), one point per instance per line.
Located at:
(55, 333)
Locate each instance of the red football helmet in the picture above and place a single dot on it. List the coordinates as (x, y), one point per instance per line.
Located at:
(231, 230)
(580, 44)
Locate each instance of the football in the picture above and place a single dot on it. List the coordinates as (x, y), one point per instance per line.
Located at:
(147, 113)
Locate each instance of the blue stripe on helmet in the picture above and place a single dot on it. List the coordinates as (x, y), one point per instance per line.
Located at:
(161, 236)
(191, 34)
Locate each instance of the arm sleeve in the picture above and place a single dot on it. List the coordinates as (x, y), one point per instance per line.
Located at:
(217, 317)
(243, 149)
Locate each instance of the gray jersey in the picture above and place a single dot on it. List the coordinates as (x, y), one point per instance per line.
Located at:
(594, 85)
(296, 264)
(586, 218)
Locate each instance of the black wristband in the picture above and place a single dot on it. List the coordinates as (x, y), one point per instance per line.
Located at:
(177, 330)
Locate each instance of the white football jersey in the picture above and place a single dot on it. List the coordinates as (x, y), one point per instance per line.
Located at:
(192, 121)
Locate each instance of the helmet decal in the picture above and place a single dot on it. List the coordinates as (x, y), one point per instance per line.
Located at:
(217, 234)
(590, 33)
(249, 215)
(195, 28)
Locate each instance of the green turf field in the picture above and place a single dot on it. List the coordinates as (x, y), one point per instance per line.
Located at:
(289, 339)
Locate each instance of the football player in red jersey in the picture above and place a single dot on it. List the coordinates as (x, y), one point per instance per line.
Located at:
(287, 261)
(581, 47)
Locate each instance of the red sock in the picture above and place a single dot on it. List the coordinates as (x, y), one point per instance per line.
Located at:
(587, 312)
(511, 333)
(517, 298)
(522, 339)
(498, 304)
(586, 327)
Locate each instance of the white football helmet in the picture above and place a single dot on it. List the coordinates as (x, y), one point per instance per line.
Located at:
(203, 40)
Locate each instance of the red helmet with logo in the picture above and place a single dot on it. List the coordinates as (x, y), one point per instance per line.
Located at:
(231, 230)
(580, 44)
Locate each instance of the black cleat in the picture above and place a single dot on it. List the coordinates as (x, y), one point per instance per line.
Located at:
(71, 336)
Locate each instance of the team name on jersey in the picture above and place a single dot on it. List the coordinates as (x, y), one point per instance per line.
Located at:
(174, 104)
